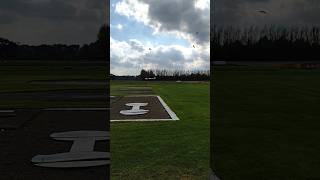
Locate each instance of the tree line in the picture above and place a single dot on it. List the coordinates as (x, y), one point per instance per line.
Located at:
(97, 50)
(265, 43)
(175, 75)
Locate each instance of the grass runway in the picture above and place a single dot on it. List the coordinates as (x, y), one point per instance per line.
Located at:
(164, 150)
(266, 124)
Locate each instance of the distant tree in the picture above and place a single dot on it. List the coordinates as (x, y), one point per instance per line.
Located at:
(143, 74)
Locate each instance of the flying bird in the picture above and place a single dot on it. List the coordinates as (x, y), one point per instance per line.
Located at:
(150, 49)
(262, 11)
(193, 46)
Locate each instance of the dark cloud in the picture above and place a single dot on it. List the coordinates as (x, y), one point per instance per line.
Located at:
(166, 58)
(180, 15)
(52, 21)
(284, 12)
(136, 45)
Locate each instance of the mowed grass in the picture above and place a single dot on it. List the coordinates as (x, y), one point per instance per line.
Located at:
(266, 124)
(15, 76)
(164, 150)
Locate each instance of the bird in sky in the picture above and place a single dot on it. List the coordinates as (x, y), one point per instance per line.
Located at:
(193, 46)
(150, 49)
(262, 11)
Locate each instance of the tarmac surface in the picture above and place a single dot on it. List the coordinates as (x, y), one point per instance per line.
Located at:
(156, 109)
(32, 138)
(83, 94)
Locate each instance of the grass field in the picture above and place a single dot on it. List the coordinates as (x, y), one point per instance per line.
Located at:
(266, 124)
(15, 76)
(164, 150)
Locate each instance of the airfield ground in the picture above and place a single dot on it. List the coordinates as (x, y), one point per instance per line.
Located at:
(266, 123)
(168, 149)
(25, 130)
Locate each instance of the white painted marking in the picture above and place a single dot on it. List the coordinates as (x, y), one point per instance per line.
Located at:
(74, 164)
(80, 134)
(213, 176)
(70, 156)
(81, 154)
(76, 109)
(7, 111)
(167, 108)
(140, 120)
(135, 109)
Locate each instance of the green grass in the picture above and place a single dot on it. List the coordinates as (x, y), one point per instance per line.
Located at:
(15, 76)
(164, 150)
(266, 124)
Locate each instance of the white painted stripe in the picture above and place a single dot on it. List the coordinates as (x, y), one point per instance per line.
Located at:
(169, 111)
(213, 176)
(74, 164)
(70, 156)
(141, 120)
(7, 111)
(76, 109)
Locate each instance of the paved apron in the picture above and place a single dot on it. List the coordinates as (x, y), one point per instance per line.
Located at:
(19, 146)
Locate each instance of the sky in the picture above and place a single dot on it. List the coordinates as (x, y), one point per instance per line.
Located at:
(161, 34)
(277, 12)
(37, 22)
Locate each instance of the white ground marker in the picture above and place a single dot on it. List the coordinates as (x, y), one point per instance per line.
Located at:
(81, 154)
(135, 109)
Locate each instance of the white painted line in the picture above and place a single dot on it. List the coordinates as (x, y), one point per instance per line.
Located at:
(7, 111)
(80, 134)
(167, 108)
(73, 164)
(76, 109)
(141, 120)
(213, 176)
(70, 156)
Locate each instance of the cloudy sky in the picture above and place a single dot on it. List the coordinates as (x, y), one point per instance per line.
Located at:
(277, 12)
(161, 34)
(52, 21)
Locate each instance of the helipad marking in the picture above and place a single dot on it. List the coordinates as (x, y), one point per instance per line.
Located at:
(173, 116)
(135, 109)
(81, 154)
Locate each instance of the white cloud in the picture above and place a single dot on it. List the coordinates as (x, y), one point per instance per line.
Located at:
(129, 57)
(119, 26)
(202, 4)
(186, 19)
(133, 9)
